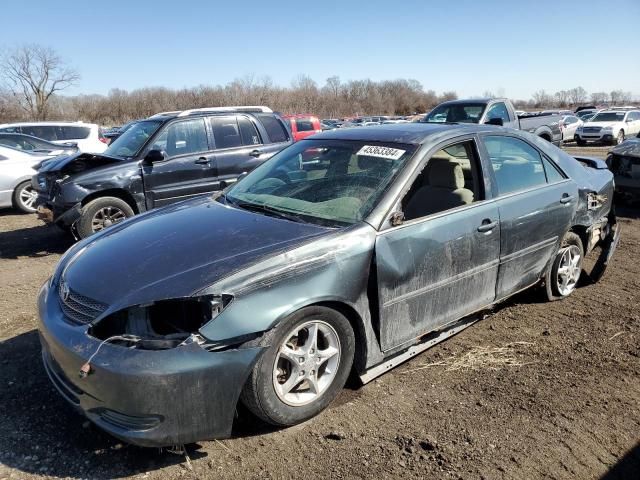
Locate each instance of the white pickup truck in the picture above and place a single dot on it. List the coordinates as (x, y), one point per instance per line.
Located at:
(497, 111)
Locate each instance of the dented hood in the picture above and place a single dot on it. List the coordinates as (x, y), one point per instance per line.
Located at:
(76, 163)
(176, 251)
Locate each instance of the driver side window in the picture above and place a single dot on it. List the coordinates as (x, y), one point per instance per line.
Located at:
(450, 179)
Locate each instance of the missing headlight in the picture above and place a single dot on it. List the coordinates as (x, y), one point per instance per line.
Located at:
(161, 325)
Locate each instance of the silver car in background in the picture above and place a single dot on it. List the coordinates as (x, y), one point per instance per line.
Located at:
(16, 170)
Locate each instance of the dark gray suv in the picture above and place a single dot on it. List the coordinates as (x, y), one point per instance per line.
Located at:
(158, 161)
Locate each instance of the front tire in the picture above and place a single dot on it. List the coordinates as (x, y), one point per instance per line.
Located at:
(101, 213)
(24, 197)
(563, 276)
(306, 364)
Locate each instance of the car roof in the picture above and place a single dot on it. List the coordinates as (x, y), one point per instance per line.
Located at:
(409, 133)
(48, 124)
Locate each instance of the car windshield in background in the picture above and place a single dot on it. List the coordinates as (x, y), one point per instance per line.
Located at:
(330, 182)
(456, 113)
(131, 141)
(608, 117)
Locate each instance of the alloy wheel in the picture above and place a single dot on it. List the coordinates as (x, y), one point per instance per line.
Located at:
(27, 197)
(105, 217)
(306, 363)
(569, 269)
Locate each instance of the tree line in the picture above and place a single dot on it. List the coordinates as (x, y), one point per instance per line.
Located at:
(32, 78)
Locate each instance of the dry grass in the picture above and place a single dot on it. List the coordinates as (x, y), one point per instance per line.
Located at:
(483, 358)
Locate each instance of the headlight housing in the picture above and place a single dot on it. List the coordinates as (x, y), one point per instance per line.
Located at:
(163, 324)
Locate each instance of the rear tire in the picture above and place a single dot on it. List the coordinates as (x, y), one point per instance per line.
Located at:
(295, 378)
(101, 213)
(24, 197)
(562, 277)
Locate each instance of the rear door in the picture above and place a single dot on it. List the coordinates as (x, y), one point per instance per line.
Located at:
(189, 168)
(536, 202)
(441, 263)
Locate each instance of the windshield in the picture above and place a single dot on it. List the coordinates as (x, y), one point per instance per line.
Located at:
(330, 182)
(457, 112)
(609, 117)
(130, 142)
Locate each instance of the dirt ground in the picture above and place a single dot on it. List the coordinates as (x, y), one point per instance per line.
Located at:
(535, 390)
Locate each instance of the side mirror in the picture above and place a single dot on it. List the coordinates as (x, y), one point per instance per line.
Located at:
(495, 121)
(241, 176)
(154, 156)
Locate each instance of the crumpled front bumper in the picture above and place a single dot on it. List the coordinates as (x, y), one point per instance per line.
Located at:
(148, 398)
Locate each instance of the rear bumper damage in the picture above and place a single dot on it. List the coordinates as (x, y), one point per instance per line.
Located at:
(609, 245)
(150, 398)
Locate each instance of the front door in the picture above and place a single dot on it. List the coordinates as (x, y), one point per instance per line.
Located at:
(535, 200)
(189, 168)
(442, 262)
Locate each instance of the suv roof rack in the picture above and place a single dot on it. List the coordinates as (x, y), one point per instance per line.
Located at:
(162, 114)
(249, 109)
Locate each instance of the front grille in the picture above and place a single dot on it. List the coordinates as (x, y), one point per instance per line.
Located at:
(591, 129)
(78, 308)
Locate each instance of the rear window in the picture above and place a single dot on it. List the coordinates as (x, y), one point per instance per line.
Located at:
(46, 132)
(73, 133)
(248, 132)
(304, 124)
(275, 128)
(225, 131)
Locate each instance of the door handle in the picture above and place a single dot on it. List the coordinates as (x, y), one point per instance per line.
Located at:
(203, 161)
(487, 225)
(255, 153)
(566, 198)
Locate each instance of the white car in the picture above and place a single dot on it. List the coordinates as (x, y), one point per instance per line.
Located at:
(87, 136)
(609, 126)
(569, 124)
(16, 170)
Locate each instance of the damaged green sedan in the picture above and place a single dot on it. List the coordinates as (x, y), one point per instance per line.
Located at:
(350, 251)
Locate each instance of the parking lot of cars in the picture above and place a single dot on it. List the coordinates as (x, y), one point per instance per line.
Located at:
(343, 221)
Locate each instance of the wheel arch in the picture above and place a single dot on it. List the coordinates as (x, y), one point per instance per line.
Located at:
(112, 192)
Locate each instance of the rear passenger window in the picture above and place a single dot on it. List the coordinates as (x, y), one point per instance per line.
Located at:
(516, 164)
(226, 132)
(274, 127)
(248, 132)
(450, 179)
(73, 133)
(304, 124)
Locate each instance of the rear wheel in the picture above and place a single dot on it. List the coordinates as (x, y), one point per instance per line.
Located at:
(24, 197)
(304, 368)
(563, 276)
(101, 213)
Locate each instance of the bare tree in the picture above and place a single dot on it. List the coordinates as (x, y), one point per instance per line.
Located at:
(542, 99)
(600, 97)
(616, 96)
(577, 95)
(562, 98)
(34, 73)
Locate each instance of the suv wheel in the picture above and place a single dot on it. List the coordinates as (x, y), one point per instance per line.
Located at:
(581, 143)
(101, 213)
(24, 197)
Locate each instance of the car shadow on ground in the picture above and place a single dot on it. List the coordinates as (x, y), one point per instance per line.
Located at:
(38, 241)
(43, 435)
(627, 467)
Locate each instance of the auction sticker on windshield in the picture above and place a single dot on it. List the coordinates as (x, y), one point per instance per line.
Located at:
(382, 152)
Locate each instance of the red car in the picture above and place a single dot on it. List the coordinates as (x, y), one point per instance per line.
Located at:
(303, 125)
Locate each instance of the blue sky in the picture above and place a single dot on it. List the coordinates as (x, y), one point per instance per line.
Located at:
(510, 47)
